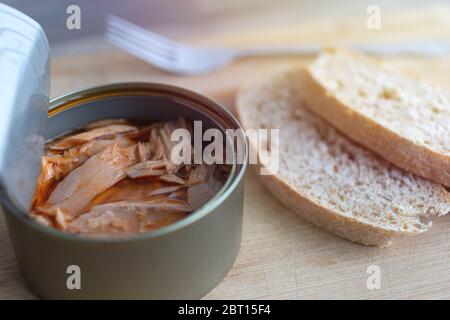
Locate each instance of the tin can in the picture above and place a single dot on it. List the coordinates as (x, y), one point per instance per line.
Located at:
(184, 260)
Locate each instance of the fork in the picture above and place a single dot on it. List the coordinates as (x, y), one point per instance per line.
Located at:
(178, 58)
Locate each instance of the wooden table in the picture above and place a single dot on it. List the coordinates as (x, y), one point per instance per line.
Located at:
(283, 256)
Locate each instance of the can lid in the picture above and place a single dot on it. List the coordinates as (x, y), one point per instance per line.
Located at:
(24, 96)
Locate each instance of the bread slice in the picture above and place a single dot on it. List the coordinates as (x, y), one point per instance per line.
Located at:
(405, 121)
(329, 180)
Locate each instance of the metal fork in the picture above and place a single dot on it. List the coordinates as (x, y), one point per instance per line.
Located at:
(175, 57)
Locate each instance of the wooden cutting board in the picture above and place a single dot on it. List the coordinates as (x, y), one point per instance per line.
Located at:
(283, 256)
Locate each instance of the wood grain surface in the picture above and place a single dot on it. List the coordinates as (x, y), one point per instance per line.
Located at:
(283, 256)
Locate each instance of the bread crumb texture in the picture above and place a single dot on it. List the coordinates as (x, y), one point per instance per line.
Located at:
(415, 110)
(326, 168)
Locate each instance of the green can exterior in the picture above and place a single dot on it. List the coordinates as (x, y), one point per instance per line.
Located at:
(185, 264)
(182, 261)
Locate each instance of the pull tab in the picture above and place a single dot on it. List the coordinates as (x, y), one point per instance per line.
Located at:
(24, 94)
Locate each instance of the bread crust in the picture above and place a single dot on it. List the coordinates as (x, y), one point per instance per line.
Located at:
(393, 147)
(346, 227)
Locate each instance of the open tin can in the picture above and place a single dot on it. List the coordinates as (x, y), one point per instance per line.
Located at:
(183, 260)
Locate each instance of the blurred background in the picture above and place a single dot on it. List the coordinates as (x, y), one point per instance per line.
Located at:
(190, 19)
(81, 58)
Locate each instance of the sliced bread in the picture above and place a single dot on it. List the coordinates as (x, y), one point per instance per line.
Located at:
(405, 121)
(329, 180)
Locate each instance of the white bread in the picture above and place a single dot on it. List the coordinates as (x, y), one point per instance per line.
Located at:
(405, 121)
(329, 180)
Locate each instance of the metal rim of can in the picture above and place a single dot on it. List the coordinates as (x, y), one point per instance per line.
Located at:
(84, 96)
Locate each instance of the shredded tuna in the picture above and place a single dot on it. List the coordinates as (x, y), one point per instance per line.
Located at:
(170, 177)
(164, 190)
(117, 179)
(200, 174)
(147, 169)
(144, 151)
(96, 175)
(105, 122)
(201, 193)
(128, 217)
(102, 132)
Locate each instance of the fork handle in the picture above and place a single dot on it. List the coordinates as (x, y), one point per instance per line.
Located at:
(410, 48)
(303, 50)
